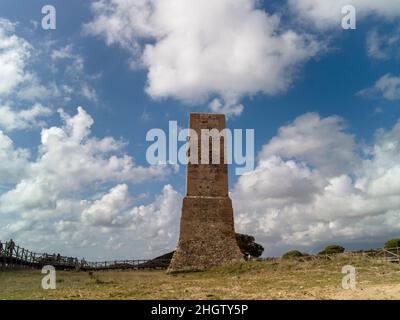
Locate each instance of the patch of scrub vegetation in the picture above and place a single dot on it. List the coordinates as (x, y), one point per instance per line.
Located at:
(293, 254)
(332, 249)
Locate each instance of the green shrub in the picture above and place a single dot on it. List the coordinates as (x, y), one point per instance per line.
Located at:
(248, 246)
(332, 249)
(292, 254)
(392, 243)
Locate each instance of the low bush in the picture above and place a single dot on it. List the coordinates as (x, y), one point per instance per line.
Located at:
(292, 254)
(332, 249)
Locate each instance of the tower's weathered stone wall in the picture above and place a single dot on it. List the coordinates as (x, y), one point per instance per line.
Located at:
(207, 236)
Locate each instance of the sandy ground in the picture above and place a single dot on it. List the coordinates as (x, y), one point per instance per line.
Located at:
(283, 279)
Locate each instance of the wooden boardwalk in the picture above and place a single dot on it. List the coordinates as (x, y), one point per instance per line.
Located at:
(13, 256)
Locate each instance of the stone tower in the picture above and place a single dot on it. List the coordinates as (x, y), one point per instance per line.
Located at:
(207, 236)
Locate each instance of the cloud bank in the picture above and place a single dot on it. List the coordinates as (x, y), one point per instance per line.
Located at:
(63, 188)
(313, 185)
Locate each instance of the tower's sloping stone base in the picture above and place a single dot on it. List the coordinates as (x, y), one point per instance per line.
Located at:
(207, 236)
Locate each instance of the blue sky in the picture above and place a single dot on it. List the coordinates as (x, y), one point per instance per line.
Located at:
(315, 94)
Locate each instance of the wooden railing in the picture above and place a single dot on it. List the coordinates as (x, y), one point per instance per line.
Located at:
(12, 255)
(391, 254)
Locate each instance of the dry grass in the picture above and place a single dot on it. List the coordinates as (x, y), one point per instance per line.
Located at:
(282, 279)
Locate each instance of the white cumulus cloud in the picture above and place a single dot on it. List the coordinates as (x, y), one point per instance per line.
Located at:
(293, 199)
(106, 210)
(70, 161)
(57, 200)
(197, 50)
(13, 161)
(318, 141)
(326, 14)
(387, 87)
(14, 51)
(22, 119)
(383, 46)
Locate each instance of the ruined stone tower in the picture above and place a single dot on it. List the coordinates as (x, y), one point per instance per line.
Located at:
(207, 236)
